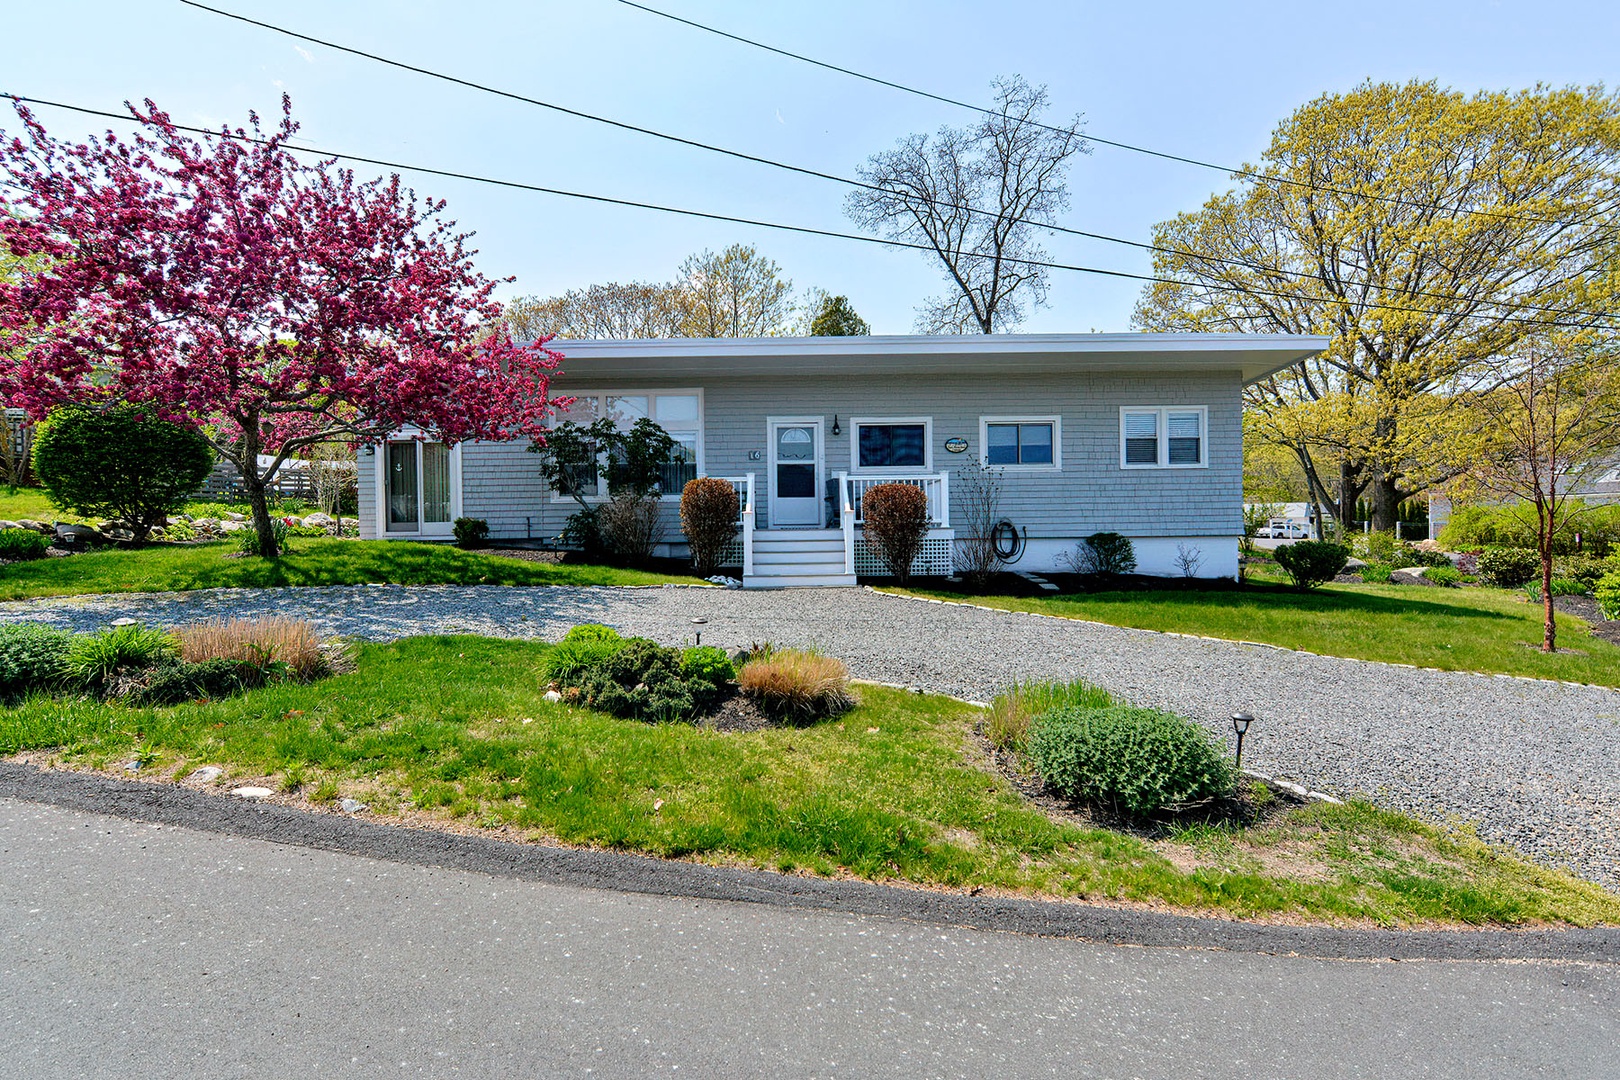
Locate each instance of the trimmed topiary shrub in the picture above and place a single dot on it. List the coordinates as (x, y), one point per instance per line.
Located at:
(32, 657)
(22, 545)
(1508, 568)
(1312, 562)
(709, 515)
(122, 463)
(1133, 762)
(471, 532)
(896, 517)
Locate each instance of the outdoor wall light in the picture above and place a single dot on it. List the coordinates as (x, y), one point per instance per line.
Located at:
(1240, 724)
(836, 429)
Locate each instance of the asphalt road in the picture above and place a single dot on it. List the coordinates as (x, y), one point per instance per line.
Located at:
(129, 948)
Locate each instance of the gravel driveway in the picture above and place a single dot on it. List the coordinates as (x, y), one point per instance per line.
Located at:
(1533, 764)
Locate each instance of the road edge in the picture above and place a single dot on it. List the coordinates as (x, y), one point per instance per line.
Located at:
(172, 804)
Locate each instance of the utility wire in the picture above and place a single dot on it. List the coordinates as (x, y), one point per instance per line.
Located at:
(817, 174)
(1258, 177)
(756, 222)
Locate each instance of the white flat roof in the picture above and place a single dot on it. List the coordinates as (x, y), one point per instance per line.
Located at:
(1255, 355)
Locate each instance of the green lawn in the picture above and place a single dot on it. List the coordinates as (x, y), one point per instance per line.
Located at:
(33, 504)
(307, 561)
(1472, 629)
(455, 731)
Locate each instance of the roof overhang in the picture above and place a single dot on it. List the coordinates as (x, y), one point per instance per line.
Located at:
(1253, 355)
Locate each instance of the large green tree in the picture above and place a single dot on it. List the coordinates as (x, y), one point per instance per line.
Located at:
(1427, 233)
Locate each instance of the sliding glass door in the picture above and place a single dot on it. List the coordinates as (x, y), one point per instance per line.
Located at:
(418, 487)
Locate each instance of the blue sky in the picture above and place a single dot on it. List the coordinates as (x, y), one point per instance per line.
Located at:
(1203, 80)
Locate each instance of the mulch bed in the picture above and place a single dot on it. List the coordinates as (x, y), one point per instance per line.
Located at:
(1584, 607)
(739, 714)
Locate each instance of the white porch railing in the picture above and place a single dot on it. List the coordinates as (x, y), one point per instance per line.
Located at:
(745, 499)
(935, 485)
(846, 520)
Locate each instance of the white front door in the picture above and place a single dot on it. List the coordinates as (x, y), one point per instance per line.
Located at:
(796, 473)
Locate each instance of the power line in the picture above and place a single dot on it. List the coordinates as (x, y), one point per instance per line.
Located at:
(816, 173)
(1264, 178)
(755, 222)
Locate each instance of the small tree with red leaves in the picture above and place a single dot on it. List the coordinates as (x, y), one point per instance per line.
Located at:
(276, 304)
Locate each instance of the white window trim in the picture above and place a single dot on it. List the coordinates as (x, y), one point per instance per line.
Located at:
(614, 391)
(379, 455)
(1057, 442)
(855, 423)
(1164, 435)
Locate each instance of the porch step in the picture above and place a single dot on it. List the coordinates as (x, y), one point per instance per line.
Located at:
(797, 580)
(809, 545)
(772, 536)
(776, 556)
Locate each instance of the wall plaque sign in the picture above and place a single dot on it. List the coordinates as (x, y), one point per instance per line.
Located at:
(956, 445)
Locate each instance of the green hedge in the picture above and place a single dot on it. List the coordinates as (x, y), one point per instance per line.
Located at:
(1473, 527)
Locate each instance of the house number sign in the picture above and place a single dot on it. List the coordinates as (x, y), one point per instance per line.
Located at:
(956, 445)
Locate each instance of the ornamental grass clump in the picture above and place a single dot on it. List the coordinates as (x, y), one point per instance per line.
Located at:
(1013, 711)
(1136, 763)
(260, 643)
(896, 518)
(580, 649)
(104, 662)
(797, 685)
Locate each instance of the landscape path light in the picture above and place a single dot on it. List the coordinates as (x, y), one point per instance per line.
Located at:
(699, 622)
(1240, 724)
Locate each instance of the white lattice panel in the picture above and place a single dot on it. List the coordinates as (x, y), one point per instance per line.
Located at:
(934, 560)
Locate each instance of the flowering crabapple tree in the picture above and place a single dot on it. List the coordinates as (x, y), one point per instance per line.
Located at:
(276, 304)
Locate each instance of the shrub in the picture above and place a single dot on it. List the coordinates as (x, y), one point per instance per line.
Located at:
(1312, 562)
(797, 685)
(1376, 573)
(630, 527)
(580, 649)
(173, 683)
(32, 657)
(593, 632)
(1607, 592)
(1586, 569)
(247, 540)
(977, 495)
(1134, 762)
(641, 679)
(709, 664)
(471, 532)
(1103, 553)
(259, 643)
(1508, 568)
(179, 531)
(22, 545)
(1515, 527)
(1443, 575)
(123, 463)
(709, 514)
(896, 517)
(96, 661)
(1380, 547)
(1012, 711)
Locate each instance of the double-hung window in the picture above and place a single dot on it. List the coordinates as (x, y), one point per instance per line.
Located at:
(1169, 437)
(891, 444)
(678, 412)
(1018, 442)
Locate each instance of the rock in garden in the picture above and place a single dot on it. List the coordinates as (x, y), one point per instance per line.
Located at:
(352, 806)
(229, 516)
(1410, 575)
(231, 526)
(80, 534)
(251, 792)
(320, 521)
(37, 526)
(552, 695)
(10, 524)
(208, 774)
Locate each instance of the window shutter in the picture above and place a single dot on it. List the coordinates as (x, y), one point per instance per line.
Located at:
(1142, 438)
(1185, 430)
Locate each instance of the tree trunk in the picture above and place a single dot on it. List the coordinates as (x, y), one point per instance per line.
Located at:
(1549, 640)
(1386, 502)
(259, 501)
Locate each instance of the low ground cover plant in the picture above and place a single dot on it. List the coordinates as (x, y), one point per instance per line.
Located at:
(22, 545)
(636, 678)
(1560, 587)
(1312, 562)
(1442, 575)
(1137, 763)
(1607, 594)
(798, 686)
(1376, 573)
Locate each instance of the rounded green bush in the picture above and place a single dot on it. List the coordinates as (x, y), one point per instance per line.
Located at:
(22, 545)
(32, 657)
(593, 632)
(708, 663)
(1134, 762)
(1508, 568)
(1312, 562)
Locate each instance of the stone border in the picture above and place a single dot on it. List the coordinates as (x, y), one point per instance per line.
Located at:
(171, 804)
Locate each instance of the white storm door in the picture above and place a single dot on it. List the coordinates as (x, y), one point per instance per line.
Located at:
(795, 473)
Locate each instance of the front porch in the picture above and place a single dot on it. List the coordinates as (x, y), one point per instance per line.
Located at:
(795, 557)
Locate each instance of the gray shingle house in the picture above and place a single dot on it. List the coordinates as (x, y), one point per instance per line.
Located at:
(1140, 434)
